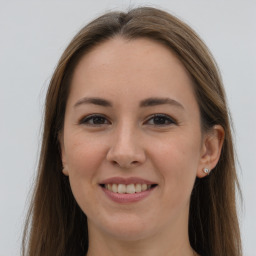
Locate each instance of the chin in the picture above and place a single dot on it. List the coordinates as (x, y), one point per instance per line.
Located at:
(128, 228)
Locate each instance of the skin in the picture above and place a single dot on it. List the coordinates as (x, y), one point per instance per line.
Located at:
(128, 141)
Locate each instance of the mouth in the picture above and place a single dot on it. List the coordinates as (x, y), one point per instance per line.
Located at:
(128, 188)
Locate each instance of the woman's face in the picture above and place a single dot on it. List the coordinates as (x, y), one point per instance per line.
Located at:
(132, 120)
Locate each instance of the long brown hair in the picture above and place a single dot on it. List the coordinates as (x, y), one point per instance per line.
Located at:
(55, 223)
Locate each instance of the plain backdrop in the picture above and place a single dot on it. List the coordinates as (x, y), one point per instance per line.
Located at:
(33, 34)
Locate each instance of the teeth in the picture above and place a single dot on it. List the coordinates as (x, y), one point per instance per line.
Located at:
(138, 188)
(121, 188)
(144, 187)
(114, 188)
(129, 189)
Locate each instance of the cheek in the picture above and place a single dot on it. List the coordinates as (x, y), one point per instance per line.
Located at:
(83, 160)
(176, 160)
(83, 155)
(177, 151)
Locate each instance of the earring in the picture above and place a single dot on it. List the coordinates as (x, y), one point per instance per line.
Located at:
(206, 171)
(65, 171)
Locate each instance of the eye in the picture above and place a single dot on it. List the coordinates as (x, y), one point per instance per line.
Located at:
(160, 120)
(94, 120)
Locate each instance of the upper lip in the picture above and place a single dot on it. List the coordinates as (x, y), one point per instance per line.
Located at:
(126, 181)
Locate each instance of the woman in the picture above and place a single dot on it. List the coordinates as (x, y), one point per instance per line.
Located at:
(137, 155)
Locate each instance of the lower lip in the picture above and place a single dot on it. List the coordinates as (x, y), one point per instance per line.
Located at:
(127, 198)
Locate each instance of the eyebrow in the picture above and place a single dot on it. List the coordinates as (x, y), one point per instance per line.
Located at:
(95, 101)
(160, 101)
(150, 102)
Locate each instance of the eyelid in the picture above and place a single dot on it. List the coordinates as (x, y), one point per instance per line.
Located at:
(89, 117)
(171, 119)
(85, 120)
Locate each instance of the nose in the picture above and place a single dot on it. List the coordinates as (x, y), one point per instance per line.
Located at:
(126, 150)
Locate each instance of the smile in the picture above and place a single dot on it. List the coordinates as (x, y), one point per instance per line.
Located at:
(128, 189)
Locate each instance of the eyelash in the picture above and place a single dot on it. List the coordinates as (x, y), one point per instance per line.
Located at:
(164, 119)
(93, 117)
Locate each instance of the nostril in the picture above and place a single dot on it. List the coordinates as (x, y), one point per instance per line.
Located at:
(115, 163)
(124, 164)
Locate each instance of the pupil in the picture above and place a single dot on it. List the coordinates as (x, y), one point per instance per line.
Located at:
(98, 120)
(159, 120)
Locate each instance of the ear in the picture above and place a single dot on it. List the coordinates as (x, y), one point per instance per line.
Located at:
(211, 149)
(63, 154)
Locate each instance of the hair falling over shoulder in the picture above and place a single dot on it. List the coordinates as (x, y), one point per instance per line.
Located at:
(55, 224)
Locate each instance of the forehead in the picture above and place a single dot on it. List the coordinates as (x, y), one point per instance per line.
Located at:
(136, 68)
(141, 54)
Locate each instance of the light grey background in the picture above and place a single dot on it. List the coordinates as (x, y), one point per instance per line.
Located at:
(33, 35)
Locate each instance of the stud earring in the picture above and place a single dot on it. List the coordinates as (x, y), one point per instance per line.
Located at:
(65, 171)
(206, 171)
